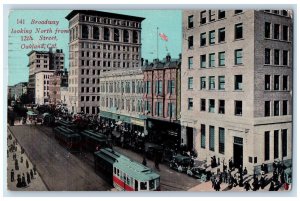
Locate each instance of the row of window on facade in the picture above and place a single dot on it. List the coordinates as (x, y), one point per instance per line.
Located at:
(158, 110)
(46, 94)
(280, 108)
(276, 144)
(209, 16)
(87, 89)
(280, 32)
(122, 87)
(109, 63)
(89, 98)
(108, 34)
(110, 21)
(96, 46)
(123, 104)
(108, 55)
(277, 54)
(158, 87)
(95, 110)
(238, 106)
(211, 138)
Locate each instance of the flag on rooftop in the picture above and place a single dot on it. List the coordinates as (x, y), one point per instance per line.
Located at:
(163, 36)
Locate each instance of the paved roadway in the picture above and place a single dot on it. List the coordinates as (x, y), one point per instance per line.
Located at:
(59, 170)
(63, 171)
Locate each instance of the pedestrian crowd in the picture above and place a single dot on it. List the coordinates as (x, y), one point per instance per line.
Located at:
(17, 174)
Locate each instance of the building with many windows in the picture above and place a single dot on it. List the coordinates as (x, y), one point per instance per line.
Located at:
(57, 80)
(42, 61)
(18, 90)
(99, 42)
(42, 83)
(237, 85)
(121, 97)
(162, 100)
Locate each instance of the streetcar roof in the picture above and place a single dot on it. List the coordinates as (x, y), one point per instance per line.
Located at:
(136, 170)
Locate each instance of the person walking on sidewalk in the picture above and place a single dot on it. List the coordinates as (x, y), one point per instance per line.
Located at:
(28, 178)
(31, 174)
(23, 181)
(12, 175)
(27, 164)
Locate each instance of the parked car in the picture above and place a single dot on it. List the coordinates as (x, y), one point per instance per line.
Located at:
(198, 173)
(181, 163)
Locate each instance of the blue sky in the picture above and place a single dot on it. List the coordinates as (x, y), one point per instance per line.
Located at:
(168, 22)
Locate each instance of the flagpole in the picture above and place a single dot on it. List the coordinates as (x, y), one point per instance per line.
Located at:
(157, 43)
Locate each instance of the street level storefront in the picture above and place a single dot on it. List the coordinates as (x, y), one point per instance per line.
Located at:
(164, 132)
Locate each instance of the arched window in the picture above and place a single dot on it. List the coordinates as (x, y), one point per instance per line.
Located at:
(95, 32)
(85, 31)
(106, 33)
(126, 36)
(135, 37)
(116, 35)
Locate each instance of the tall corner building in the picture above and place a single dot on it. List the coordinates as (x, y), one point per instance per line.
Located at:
(99, 41)
(237, 85)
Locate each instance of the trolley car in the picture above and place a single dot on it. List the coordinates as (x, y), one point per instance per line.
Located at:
(125, 174)
(92, 141)
(68, 138)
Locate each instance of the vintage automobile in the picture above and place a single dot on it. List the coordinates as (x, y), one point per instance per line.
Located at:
(181, 163)
(198, 173)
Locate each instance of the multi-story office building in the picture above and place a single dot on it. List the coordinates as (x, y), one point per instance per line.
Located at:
(237, 85)
(122, 97)
(42, 61)
(162, 99)
(42, 82)
(57, 80)
(99, 41)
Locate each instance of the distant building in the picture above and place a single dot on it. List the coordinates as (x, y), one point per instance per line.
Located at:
(57, 80)
(42, 61)
(42, 87)
(18, 90)
(99, 42)
(121, 97)
(236, 96)
(162, 99)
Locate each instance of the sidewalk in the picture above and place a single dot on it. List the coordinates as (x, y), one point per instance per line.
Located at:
(36, 184)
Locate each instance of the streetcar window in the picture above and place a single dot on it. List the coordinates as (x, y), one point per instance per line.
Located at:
(118, 172)
(136, 185)
(152, 184)
(128, 180)
(143, 185)
(115, 170)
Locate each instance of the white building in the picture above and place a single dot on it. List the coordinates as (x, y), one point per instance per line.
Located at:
(42, 87)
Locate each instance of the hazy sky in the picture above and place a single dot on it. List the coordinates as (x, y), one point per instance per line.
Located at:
(168, 21)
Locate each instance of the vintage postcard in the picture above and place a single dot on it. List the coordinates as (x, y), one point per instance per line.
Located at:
(150, 100)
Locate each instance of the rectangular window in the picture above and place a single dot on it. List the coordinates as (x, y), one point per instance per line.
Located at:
(203, 61)
(190, 42)
(238, 59)
(159, 109)
(276, 57)
(191, 21)
(285, 33)
(267, 56)
(158, 87)
(276, 82)
(171, 86)
(211, 82)
(285, 107)
(267, 145)
(202, 83)
(203, 17)
(148, 87)
(267, 82)
(211, 107)
(212, 60)
(276, 136)
(211, 138)
(203, 104)
(190, 103)
(221, 14)
(202, 39)
(284, 142)
(276, 108)
(284, 82)
(221, 140)
(190, 64)
(190, 82)
(238, 108)
(221, 82)
(212, 15)
(221, 106)
(221, 58)
(203, 140)
(238, 82)
(267, 108)
(171, 110)
(239, 31)
(221, 35)
(267, 30)
(285, 57)
(276, 31)
(212, 37)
